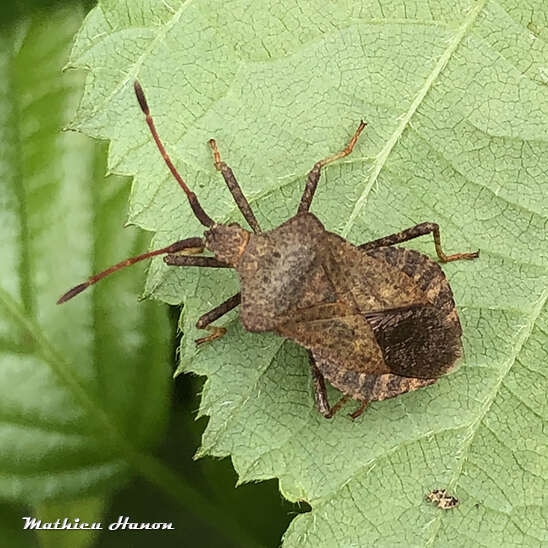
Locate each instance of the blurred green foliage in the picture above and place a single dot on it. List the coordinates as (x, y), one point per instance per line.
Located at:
(18, 10)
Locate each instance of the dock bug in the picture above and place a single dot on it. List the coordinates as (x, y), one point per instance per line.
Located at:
(377, 320)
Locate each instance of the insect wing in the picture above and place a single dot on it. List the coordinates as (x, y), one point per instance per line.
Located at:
(416, 341)
(347, 341)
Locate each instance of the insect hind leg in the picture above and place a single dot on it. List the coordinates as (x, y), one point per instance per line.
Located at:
(369, 387)
(414, 232)
(320, 395)
(320, 392)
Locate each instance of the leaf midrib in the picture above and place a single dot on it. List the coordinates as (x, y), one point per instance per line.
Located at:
(57, 363)
(19, 190)
(62, 370)
(383, 155)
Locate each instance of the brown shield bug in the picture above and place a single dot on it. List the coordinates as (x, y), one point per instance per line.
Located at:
(377, 320)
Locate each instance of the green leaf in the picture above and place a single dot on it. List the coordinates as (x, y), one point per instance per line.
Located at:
(456, 99)
(11, 523)
(83, 387)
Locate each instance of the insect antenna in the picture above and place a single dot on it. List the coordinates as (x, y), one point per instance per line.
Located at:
(189, 243)
(201, 215)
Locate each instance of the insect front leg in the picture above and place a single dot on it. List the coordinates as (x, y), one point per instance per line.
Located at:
(214, 314)
(209, 317)
(186, 260)
(234, 187)
(414, 232)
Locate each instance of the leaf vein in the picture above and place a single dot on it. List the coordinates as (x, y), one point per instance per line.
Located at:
(406, 119)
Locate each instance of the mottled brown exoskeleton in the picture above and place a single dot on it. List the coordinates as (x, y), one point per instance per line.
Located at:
(376, 320)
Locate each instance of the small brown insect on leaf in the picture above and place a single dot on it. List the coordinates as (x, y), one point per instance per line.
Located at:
(442, 499)
(377, 320)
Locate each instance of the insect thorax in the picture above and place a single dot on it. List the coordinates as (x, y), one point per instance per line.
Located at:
(275, 270)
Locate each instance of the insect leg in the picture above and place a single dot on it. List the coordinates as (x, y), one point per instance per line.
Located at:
(186, 260)
(414, 232)
(360, 410)
(314, 175)
(209, 317)
(320, 392)
(338, 405)
(234, 187)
